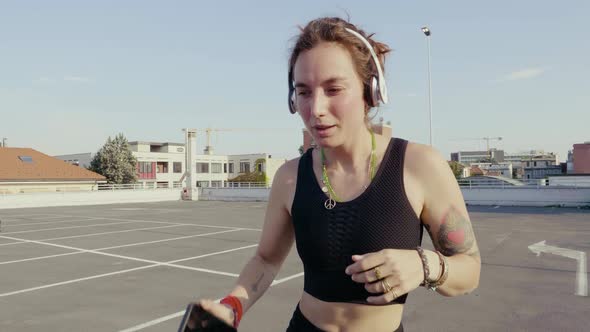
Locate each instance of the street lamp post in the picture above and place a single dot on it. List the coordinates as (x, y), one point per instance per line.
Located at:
(426, 32)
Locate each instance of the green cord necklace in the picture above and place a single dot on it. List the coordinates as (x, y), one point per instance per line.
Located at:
(330, 203)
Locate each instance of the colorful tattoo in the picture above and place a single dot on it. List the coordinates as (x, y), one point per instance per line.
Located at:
(455, 235)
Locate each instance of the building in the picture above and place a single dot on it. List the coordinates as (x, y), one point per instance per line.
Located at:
(163, 165)
(24, 170)
(468, 158)
(541, 166)
(382, 129)
(502, 169)
(570, 162)
(534, 164)
(78, 159)
(581, 158)
(159, 164)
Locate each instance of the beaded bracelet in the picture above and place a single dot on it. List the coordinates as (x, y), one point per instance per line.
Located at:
(424, 260)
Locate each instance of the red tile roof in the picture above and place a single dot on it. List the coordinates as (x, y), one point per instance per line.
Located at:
(42, 167)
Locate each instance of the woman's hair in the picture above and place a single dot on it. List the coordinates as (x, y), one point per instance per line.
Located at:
(333, 29)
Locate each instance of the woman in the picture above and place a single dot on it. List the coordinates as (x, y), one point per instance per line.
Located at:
(356, 203)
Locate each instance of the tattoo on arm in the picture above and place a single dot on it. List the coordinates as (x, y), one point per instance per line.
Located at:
(256, 286)
(455, 235)
(257, 283)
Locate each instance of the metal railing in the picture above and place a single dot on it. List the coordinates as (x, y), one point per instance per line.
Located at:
(136, 186)
(243, 185)
(526, 183)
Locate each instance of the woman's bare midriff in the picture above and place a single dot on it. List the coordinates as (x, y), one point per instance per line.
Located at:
(349, 317)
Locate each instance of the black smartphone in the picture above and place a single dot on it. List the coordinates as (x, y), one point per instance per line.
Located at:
(196, 319)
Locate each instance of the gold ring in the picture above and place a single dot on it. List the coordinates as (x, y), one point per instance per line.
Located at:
(394, 294)
(387, 286)
(377, 273)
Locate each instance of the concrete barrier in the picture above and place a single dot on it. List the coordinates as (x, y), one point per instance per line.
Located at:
(88, 198)
(513, 196)
(234, 194)
(528, 196)
(507, 196)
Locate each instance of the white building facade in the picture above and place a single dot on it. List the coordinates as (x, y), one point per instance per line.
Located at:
(163, 165)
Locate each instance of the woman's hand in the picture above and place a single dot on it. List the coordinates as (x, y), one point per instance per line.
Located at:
(208, 315)
(388, 273)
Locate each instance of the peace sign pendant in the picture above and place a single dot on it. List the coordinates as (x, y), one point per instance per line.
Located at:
(330, 203)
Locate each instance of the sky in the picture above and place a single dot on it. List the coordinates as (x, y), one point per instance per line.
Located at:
(73, 73)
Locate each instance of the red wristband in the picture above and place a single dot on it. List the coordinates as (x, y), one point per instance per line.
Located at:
(236, 305)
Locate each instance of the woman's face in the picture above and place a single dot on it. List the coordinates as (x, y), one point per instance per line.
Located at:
(329, 94)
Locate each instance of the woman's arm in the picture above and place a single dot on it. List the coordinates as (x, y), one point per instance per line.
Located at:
(446, 219)
(275, 243)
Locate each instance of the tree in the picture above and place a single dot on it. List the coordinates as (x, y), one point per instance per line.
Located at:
(115, 161)
(457, 168)
(257, 176)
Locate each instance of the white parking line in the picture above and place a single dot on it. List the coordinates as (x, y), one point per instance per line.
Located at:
(70, 227)
(43, 223)
(11, 243)
(126, 257)
(28, 215)
(41, 257)
(163, 222)
(75, 280)
(180, 313)
(154, 264)
(114, 247)
(95, 234)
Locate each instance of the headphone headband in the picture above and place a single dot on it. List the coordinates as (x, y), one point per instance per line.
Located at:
(377, 93)
(382, 86)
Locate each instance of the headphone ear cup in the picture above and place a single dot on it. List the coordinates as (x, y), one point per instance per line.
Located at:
(374, 93)
(292, 107)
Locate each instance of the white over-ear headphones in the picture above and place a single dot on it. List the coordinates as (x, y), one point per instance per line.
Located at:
(377, 87)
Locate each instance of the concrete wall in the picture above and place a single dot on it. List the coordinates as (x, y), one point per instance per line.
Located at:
(526, 196)
(38, 187)
(521, 196)
(234, 194)
(518, 196)
(88, 198)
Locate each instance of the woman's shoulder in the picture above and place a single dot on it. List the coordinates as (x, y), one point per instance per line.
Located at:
(286, 175)
(423, 160)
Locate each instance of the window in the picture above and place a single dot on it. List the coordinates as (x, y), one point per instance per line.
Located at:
(202, 167)
(145, 167)
(259, 167)
(224, 168)
(535, 164)
(26, 159)
(177, 167)
(216, 168)
(216, 184)
(203, 184)
(244, 167)
(162, 167)
(231, 167)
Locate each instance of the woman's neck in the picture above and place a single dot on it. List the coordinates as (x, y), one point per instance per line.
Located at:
(352, 155)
